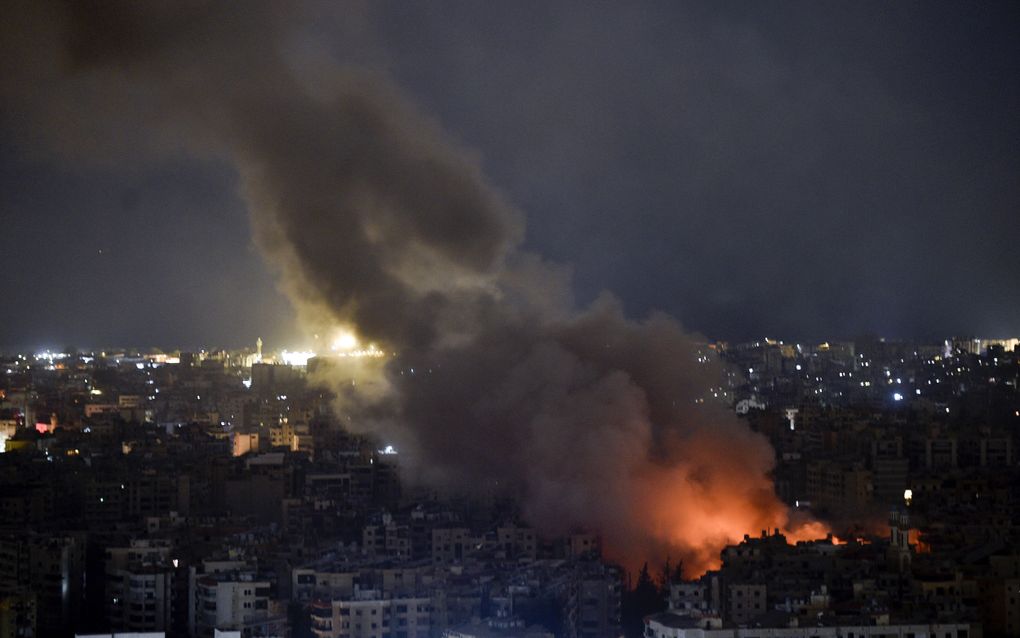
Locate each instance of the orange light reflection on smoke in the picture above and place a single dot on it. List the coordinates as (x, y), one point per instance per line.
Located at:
(695, 517)
(914, 538)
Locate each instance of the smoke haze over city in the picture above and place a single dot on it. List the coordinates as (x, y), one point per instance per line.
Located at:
(550, 293)
(377, 223)
(759, 172)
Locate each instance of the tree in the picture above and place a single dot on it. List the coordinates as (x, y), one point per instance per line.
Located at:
(670, 575)
(643, 600)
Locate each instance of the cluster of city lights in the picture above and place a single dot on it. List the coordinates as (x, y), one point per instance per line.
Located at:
(344, 344)
(298, 358)
(46, 355)
(364, 352)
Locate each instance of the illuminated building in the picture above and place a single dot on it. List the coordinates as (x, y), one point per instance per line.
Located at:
(8, 428)
(244, 443)
(303, 443)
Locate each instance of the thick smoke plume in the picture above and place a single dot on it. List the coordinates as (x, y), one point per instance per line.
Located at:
(378, 222)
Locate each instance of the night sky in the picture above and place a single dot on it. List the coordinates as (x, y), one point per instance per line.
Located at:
(796, 170)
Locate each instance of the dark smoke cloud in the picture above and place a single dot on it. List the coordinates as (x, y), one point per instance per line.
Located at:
(377, 221)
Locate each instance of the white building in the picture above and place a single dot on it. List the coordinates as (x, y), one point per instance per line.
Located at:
(229, 604)
(371, 615)
(229, 596)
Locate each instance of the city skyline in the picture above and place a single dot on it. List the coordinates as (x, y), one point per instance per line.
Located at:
(519, 320)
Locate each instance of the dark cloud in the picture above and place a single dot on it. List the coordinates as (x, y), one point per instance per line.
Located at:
(804, 170)
(809, 171)
(375, 220)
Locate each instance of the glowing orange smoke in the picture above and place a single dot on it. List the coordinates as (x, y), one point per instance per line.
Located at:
(697, 525)
(860, 540)
(914, 538)
(806, 530)
(694, 509)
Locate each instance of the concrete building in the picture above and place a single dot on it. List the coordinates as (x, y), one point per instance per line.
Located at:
(228, 595)
(53, 569)
(244, 442)
(370, 614)
(449, 544)
(18, 614)
(838, 486)
(579, 545)
(592, 608)
(517, 542)
(387, 539)
(746, 601)
(689, 599)
(139, 587)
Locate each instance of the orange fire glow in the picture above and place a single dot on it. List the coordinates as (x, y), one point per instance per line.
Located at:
(860, 540)
(914, 538)
(693, 512)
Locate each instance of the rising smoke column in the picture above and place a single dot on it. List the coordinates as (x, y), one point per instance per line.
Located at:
(376, 220)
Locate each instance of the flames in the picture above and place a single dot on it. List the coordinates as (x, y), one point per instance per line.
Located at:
(807, 531)
(695, 512)
(699, 530)
(916, 539)
(346, 343)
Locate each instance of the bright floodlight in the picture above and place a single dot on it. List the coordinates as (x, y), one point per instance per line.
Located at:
(296, 358)
(345, 340)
